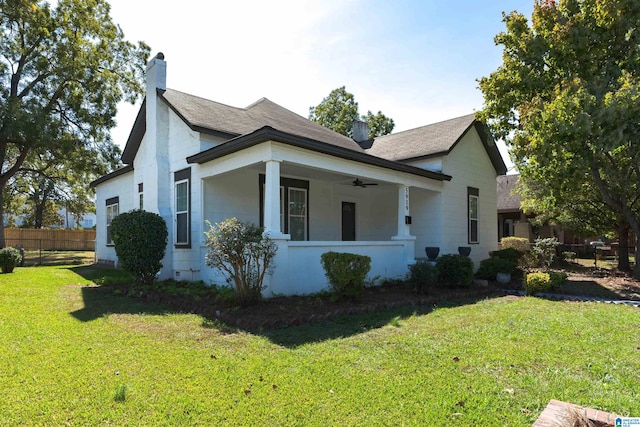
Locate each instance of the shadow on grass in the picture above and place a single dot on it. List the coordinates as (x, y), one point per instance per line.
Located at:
(594, 289)
(354, 324)
(103, 275)
(100, 301)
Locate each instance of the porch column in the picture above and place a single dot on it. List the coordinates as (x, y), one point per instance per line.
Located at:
(272, 200)
(404, 229)
(278, 281)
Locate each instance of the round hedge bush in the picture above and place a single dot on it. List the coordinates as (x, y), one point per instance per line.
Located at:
(423, 274)
(536, 283)
(140, 240)
(490, 267)
(455, 270)
(9, 259)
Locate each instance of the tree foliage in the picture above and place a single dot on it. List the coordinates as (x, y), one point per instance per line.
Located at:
(567, 101)
(63, 70)
(379, 124)
(140, 240)
(339, 110)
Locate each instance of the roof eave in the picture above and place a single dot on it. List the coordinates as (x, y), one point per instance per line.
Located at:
(267, 133)
(491, 147)
(116, 173)
(135, 136)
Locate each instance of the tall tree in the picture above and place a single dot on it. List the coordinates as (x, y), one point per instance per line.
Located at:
(579, 209)
(339, 110)
(567, 100)
(379, 124)
(63, 70)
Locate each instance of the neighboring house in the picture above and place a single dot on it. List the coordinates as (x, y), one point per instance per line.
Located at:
(67, 220)
(512, 221)
(193, 160)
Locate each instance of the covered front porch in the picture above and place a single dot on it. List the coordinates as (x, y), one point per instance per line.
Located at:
(310, 203)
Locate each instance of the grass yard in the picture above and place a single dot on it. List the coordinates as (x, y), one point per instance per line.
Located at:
(50, 257)
(74, 354)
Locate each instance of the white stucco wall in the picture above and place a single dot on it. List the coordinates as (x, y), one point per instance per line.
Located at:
(121, 187)
(470, 166)
(426, 219)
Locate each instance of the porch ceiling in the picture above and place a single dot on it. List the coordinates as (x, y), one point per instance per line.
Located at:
(310, 164)
(292, 170)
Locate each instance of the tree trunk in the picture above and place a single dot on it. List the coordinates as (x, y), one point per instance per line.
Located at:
(1, 218)
(623, 247)
(636, 268)
(37, 220)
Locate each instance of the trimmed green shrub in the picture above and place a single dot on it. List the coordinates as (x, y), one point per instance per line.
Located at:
(490, 267)
(557, 278)
(569, 256)
(244, 254)
(455, 270)
(536, 283)
(9, 259)
(519, 243)
(422, 275)
(346, 272)
(509, 254)
(140, 240)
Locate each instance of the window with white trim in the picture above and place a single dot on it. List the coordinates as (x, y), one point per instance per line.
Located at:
(182, 208)
(112, 210)
(473, 197)
(297, 213)
(294, 202)
(141, 195)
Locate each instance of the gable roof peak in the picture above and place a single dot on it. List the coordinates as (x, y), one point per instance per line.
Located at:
(434, 140)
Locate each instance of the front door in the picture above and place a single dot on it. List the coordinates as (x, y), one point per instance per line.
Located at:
(348, 221)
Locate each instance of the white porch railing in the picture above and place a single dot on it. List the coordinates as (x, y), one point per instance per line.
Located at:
(298, 270)
(304, 273)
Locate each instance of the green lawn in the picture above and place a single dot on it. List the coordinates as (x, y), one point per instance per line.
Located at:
(58, 257)
(73, 354)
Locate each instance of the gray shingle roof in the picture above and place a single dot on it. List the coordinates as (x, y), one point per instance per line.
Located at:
(206, 114)
(210, 117)
(508, 199)
(437, 138)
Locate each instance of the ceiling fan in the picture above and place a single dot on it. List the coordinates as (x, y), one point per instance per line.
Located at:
(358, 183)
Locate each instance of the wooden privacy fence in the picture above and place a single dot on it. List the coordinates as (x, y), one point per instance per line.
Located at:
(50, 239)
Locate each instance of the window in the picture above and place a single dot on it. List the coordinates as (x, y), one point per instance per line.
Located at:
(182, 208)
(294, 202)
(473, 198)
(140, 195)
(297, 213)
(112, 212)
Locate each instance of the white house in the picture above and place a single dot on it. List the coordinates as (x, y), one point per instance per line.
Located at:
(192, 160)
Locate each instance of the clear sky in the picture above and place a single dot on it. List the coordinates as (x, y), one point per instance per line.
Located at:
(416, 61)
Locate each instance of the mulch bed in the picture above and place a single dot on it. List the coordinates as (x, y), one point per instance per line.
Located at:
(299, 310)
